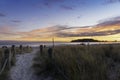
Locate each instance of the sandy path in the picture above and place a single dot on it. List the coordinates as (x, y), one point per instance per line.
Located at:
(23, 67)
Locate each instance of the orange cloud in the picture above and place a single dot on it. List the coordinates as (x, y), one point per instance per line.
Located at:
(107, 30)
(8, 33)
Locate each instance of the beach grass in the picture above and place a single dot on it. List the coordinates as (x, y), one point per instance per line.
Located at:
(80, 62)
(4, 74)
(25, 49)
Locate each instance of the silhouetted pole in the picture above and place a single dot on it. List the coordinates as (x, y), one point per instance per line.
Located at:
(27, 48)
(6, 59)
(21, 49)
(3, 56)
(50, 53)
(44, 46)
(7, 56)
(41, 50)
(13, 52)
(53, 46)
(53, 42)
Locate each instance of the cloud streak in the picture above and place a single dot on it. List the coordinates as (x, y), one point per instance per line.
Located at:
(111, 1)
(9, 33)
(67, 7)
(16, 21)
(50, 3)
(2, 15)
(103, 28)
(60, 4)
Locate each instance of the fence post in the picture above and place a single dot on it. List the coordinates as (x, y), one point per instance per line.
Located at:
(50, 53)
(2, 57)
(44, 46)
(41, 50)
(3, 48)
(6, 60)
(13, 52)
(21, 49)
(7, 56)
(27, 48)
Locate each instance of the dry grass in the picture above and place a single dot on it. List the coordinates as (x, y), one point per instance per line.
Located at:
(79, 62)
(3, 76)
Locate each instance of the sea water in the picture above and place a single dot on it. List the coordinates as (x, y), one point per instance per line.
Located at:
(36, 44)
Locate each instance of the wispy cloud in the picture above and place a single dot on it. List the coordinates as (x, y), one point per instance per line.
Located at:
(2, 15)
(16, 21)
(87, 34)
(67, 7)
(111, 1)
(9, 33)
(49, 3)
(44, 32)
(110, 21)
(59, 3)
(6, 29)
(105, 27)
(78, 17)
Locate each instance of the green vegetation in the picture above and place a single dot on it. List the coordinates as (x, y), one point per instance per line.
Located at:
(93, 62)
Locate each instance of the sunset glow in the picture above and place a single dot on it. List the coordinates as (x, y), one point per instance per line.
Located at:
(65, 20)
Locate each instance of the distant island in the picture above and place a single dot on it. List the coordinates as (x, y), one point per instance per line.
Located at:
(85, 40)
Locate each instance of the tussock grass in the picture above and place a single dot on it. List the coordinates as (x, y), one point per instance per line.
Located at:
(93, 62)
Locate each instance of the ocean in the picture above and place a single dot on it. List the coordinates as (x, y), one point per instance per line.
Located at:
(36, 44)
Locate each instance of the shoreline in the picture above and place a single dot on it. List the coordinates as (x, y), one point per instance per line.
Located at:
(60, 44)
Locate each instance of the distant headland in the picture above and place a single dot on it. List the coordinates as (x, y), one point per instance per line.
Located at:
(86, 40)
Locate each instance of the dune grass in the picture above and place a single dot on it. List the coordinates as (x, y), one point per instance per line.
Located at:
(25, 49)
(93, 62)
(4, 75)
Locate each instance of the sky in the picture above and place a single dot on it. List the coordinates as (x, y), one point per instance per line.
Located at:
(65, 20)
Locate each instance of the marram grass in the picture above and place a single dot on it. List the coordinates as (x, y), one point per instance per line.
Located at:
(4, 75)
(93, 62)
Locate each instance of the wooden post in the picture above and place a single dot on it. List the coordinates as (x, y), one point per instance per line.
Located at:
(50, 53)
(21, 49)
(7, 56)
(41, 50)
(3, 48)
(13, 52)
(27, 48)
(53, 42)
(53, 54)
(44, 46)
(2, 55)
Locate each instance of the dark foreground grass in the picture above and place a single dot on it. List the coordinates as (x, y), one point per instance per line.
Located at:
(93, 62)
